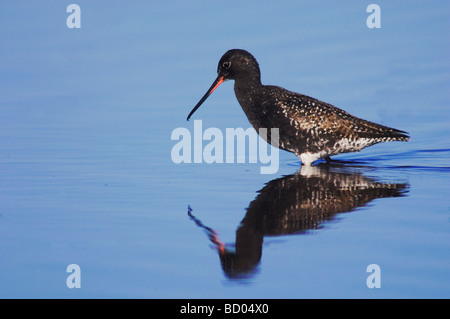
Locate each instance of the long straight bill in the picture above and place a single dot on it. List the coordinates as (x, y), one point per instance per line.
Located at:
(214, 86)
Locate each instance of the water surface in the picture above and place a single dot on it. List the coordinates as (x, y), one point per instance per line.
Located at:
(86, 175)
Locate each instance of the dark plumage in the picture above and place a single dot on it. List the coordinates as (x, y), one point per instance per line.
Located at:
(308, 127)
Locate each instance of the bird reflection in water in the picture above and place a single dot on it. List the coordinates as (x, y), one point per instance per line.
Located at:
(295, 204)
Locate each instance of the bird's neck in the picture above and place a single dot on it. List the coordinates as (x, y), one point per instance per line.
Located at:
(247, 93)
(249, 84)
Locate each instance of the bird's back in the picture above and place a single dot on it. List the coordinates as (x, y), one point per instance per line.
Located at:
(308, 125)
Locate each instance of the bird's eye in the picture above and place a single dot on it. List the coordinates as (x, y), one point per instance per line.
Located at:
(226, 64)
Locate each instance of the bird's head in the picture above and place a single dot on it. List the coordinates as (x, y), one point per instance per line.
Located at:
(235, 64)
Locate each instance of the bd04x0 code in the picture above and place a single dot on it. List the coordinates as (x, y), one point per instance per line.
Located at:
(246, 308)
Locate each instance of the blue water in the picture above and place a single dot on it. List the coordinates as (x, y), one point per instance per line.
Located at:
(86, 175)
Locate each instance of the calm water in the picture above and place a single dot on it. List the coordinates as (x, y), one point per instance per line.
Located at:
(86, 175)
